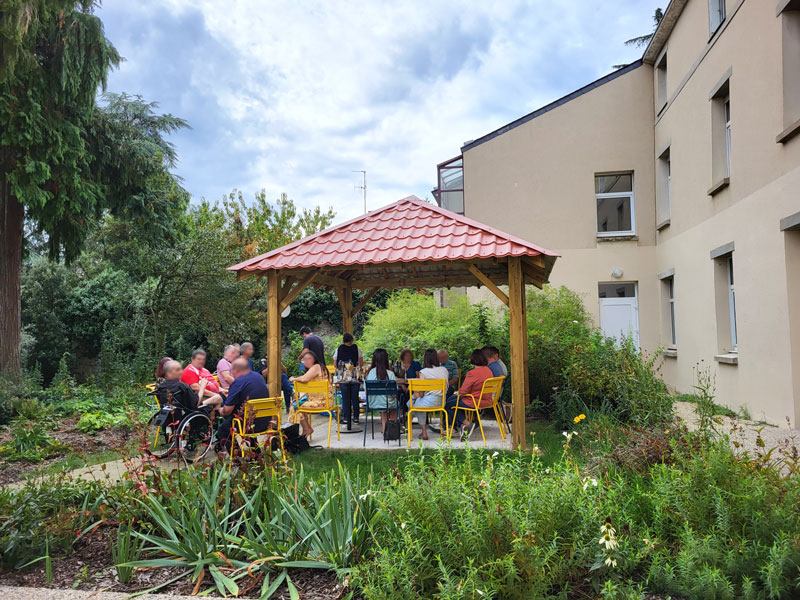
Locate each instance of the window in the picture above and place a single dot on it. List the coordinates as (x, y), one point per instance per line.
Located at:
(450, 194)
(725, 299)
(721, 147)
(663, 189)
(789, 13)
(716, 14)
(670, 285)
(661, 81)
(615, 210)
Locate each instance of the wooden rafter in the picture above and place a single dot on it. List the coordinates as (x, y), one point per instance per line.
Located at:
(364, 300)
(488, 283)
(301, 285)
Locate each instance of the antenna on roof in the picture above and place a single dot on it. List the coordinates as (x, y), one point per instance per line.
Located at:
(363, 187)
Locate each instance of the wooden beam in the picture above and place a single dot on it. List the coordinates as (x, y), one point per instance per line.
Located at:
(488, 283)
(536, 261)
(287, 286)
(533, 274)
(364, 301)
(301, 285)
(274, 333)
(518, 332)
(245, 274)
(527, 378)
(346, 303)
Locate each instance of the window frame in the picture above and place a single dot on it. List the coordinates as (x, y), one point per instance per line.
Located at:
(726, 106)
(719, 7)
(631, 200)
(732, 304)
(670, 282)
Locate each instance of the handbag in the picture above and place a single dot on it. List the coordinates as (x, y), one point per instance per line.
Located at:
(392, 431)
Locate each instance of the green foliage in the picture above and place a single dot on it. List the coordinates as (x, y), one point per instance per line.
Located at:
(30, 441)
(128, 548)
(507, 527)
(415, 321)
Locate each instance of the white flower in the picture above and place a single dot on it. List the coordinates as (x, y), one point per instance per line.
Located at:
(365, 496)
(574, 321)
(495, 454)
(589, 481)
(402, 525)
(547, 470)
(611, 562)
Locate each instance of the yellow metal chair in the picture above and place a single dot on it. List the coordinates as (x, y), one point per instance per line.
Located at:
(331, 369)
(318, 387)
(492, 387)
(255, 409)
(426, 385)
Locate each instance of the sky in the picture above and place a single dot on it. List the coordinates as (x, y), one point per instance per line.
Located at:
(293, 96)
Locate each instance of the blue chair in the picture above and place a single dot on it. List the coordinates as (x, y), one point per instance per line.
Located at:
(386, 388)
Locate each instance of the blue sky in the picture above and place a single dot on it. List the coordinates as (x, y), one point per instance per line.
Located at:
(292, 96)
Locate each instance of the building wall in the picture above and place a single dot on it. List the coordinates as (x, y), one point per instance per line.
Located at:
(536, 181)
(764, 179)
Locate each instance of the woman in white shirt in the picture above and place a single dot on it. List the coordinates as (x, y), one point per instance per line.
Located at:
(430, 370)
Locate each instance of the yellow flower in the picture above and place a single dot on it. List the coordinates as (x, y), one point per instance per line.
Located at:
(579, 418)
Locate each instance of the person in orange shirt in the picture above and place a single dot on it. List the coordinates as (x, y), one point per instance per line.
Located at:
(473, 384)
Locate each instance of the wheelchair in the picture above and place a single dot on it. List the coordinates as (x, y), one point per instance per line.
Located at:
(178, 429)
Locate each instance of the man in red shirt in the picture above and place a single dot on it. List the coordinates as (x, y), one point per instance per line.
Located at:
(195, 371)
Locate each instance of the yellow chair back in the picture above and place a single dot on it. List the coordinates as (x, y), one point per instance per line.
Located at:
(262, 407)
(493, 386)
(331, 369)
(314, 387)
(426, 385)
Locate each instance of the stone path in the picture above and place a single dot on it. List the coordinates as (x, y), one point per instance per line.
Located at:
(743, 432)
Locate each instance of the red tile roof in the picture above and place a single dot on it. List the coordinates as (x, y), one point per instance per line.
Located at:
(406, 231)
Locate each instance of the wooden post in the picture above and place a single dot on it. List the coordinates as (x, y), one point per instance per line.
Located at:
(346, 302)
(274, 333)
(518, 337)
(526, 360)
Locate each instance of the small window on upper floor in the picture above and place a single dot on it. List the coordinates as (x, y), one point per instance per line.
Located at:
(663, 189)
(615, 211)
(716, 14)
(789, 14)
(661, 81)
(720, 135)
(451, 185)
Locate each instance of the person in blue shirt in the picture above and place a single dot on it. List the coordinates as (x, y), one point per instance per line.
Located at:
(409, 369)
(247, 385)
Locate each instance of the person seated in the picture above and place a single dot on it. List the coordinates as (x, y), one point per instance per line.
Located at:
(409, 368)
(286, 385)
(494, 363)
(349, 353)
(452, 370)
(247, 350)
(473, 384)
(247, 385)
(230, 354)
(430, 370)
(195, 372)
(172, 388)
(160, 374)
(314, 371)
(380, 371)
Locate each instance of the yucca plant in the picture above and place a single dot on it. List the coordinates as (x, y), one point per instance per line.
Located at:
(127, 549)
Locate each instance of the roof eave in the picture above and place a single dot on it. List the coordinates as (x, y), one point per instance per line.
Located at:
(663, 31)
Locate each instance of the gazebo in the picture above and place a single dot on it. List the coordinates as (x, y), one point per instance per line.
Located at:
(408, 244)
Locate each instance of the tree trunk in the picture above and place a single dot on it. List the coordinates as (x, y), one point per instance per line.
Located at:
(12, 216)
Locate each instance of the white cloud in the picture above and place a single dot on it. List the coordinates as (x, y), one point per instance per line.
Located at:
(305, 92)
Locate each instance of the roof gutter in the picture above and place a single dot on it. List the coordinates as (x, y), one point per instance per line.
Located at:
(663, 31)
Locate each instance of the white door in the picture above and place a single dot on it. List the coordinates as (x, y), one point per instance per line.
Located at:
(619, 311)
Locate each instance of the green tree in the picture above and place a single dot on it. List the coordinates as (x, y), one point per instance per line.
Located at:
(64, 161)
(643, 40)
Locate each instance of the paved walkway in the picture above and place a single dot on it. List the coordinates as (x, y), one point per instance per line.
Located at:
(29, 593)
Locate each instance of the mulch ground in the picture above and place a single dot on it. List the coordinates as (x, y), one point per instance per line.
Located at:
(90, 567)
(76, 440)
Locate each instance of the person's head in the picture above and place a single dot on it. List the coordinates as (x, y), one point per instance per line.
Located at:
(478, 358)
(430, 359)
(443, 356)
(240, 367)
(310, 359)
(347, 339)
(380, 362)
(305, 331)
(492, 354)
(231, 352)
(406, 356)
(172, 370)
(199, 358)
(160, 371)
(247, 350)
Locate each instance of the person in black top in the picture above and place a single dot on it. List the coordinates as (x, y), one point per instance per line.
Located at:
(312, 343)
(346, 353)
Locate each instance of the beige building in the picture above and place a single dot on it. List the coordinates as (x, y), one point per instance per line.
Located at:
(671, 188)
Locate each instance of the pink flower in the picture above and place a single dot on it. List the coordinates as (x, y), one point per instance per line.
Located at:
(541, 320)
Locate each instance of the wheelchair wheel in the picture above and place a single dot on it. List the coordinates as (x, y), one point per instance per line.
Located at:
(194, 437)
(160, 435)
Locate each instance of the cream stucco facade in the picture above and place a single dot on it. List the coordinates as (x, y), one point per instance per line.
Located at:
(705, 124)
